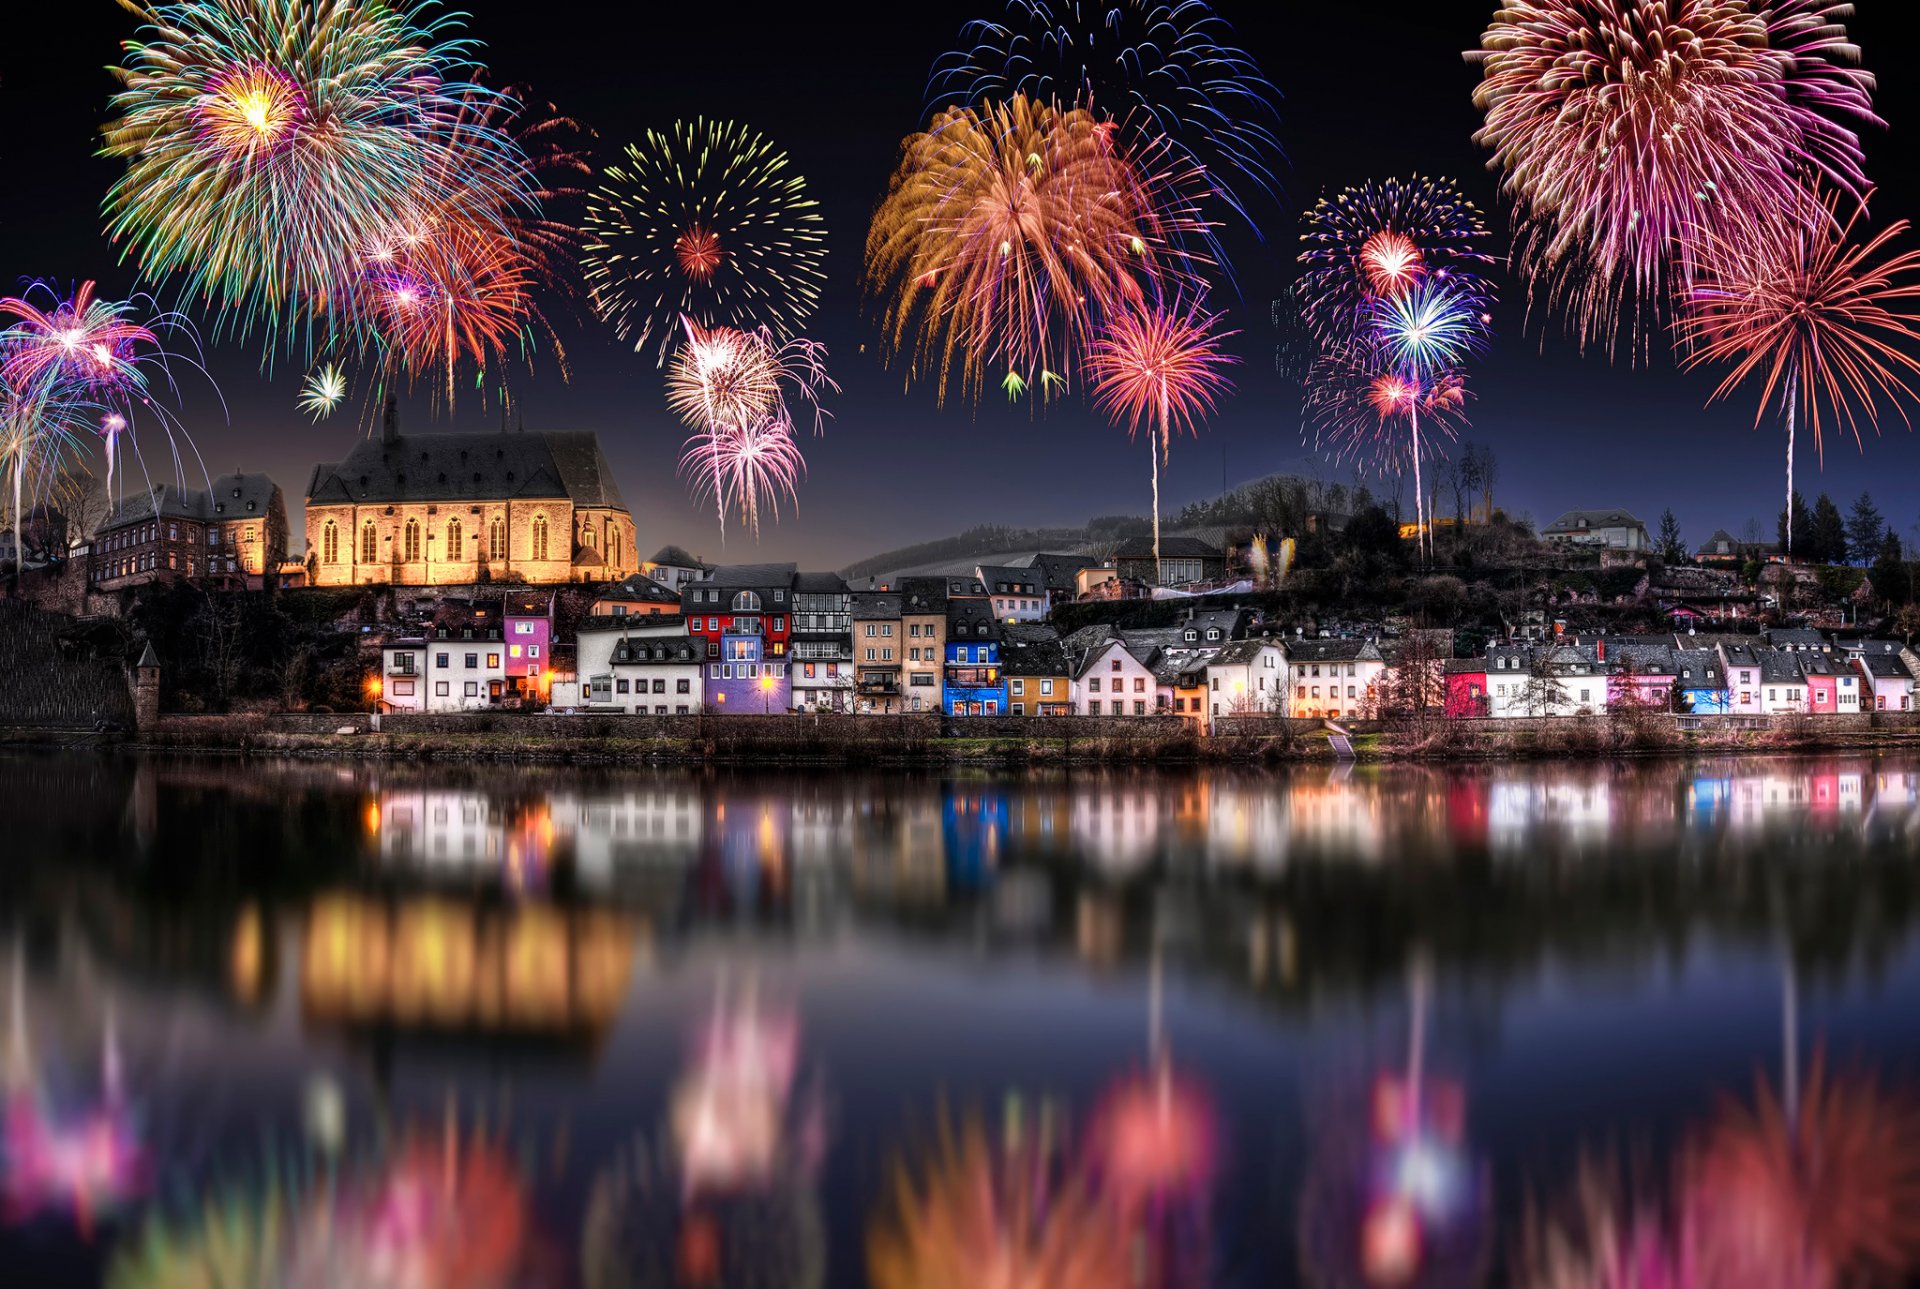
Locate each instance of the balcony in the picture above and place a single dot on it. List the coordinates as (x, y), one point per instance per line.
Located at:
(973, 677)
(879, 686)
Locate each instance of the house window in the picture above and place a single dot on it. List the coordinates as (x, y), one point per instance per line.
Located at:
(1139, 707)
(440, 689)
(403, 689)
(620, 686)
(493, 660)
(1139, 684)
(1116, 664)
(1046, 689)
(369, 543)
(660, 686)
(539, 536)
(1019, 709)
(1093, 684)
(442, 660)
(473, 689)
(746, 602)
(329, 542)
(412, 541)
(682, 686)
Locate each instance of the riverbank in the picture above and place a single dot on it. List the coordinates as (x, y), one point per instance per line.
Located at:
(931, 741)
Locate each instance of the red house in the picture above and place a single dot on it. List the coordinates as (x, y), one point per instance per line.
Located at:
(1466, 687)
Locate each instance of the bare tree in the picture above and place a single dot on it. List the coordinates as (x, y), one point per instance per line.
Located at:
(220, 644)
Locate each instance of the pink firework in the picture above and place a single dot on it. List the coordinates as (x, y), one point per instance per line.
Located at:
(1620, 126)
(1159, 367)
(745, 467)
(1824, 324)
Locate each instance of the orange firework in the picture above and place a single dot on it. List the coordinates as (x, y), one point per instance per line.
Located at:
(698, 250)
(1391, 262)
(1007, 229)
(1824, 323)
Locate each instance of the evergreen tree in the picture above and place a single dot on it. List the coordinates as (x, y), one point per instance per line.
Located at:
(1892, 580)
(1826, 534)
(1800, 526)
(1865, 530)
(1671, 549)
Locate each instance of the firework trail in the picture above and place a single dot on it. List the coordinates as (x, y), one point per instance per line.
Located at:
(1621, 126)
(1159, 368)
(747, 467)
(1160, 70)
(708, 220)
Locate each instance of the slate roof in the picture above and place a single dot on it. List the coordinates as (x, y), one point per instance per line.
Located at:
(971, 619)
(1030, 649)
(1646, 656)
(749, 577)
(1572, 521)
(876, 604)
(1333, 651)
(1883, 664)
(678, 557)
(468, 467)
(920, 595)
(1172, 548)
(1000, 579)
(231, 496)
(1796, 638)
(640, 587)
(1240, 653)
(1057, 572)
(1083, 659)
(1779, 664)
(1743, 655)
(661, 649)
(1464, 666)
(651, 624)
(1699, 669)
(820, 583)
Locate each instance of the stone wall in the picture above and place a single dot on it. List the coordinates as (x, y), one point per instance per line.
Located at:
(42, 684)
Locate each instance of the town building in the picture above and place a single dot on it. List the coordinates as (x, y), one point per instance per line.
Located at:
(1724, 550)
(741, 599)
(448, 509)
(923, 616)
(1017, 594)
(465, 659)
(1111, 677)
(1702, 682)
(233, 534)
(649, 675)
(1885, 676)
(1248, 678)
(1833, 687)
(1641, 670)
(1466, 694)
(636, 595)
(821, 643)
(1611, 529)
(1740, 664)
(1184, 561)
(1783, 686)
(402, 686)
(1039, 680)
(527, 624)
(1334, 678)
(972, 684)
(1545, 680)
(673, 567)
(879, 652)
(1061, 574)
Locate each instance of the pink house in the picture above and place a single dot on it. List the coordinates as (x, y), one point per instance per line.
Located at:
(527, 623)
(1639, 673)
(1466, 694)
(1832, 685)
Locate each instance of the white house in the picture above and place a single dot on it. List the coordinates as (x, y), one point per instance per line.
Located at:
(1613, 529)
(596, 639)
(465, 669)
(1783, 687)
(1333, 678)
(1110, 680)
(403, 678)
(1741, 665)
(1545, 680)
(1887, 685)
(659, 677)
(1248, 676)
(1018, 594)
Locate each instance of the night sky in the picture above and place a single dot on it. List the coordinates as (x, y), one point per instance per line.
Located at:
(1371, 90)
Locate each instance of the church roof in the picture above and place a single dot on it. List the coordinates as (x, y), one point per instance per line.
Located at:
(492, 466)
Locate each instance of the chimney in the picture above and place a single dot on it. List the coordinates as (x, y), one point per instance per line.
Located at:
(390, 421)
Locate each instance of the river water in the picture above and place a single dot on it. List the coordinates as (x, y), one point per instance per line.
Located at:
(286, 1024)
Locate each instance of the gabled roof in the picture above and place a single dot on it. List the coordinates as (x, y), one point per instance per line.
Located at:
(641, 588)
(972, 619)
(999, 579)
(876, 604)
(677, 557)
(490, 466)
(1779, 664)
(748, 577)
(230, 496)
(1058, 572)
(820, 583)
(1032, 649)
(1084, 660)
(1796, 637)
(1699, 668)
(1890, 666)
(656, 650)
(1581, 521)
(1242, 652)
(1172, 548)
(1333, 651)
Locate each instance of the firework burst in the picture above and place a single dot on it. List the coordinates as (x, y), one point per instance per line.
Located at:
(324, 391)
(1160, 368)
(1823, 323)
(1008, 230)
(707, 220)
(1619, 126)
(1382, 237)
(746, 468)
(1160, 69)
(269, 145)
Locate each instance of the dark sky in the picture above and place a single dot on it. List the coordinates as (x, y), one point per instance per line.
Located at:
(1371, 90)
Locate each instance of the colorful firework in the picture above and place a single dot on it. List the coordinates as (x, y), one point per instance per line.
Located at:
(1009, 229)
(1823, 323)
(708, 220)
(1429, 329)
(1159, 367)
(1621, 126)
(324, 391)
(1160, 69)
(270, 144)
(746, 467)
(999, 1211)
(1382, 237)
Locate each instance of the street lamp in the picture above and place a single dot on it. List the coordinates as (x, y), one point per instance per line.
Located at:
(766, 695)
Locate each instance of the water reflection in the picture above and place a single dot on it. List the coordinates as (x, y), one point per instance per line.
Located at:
(1380, 1027)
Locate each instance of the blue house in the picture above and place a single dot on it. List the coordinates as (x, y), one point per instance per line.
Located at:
(745, 681)
(1702, 681)
(975, 685)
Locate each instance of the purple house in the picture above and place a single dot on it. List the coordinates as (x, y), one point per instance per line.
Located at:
(744, 680)
(527, 623)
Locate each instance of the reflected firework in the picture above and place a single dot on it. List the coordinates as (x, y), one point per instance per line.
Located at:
(706, 220)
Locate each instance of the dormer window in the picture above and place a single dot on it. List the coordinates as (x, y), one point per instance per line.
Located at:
(1192, 635)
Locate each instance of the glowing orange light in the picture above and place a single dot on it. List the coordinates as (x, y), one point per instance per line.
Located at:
(698, 250)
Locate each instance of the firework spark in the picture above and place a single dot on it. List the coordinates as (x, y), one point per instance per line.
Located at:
(1160, 69)
(1160, 368)
(1007, 231)
(1622, 125)
(707, 220)
(269, 144)
(1823, 323)
(746, 467)
(1382, 237)
(324, 391)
